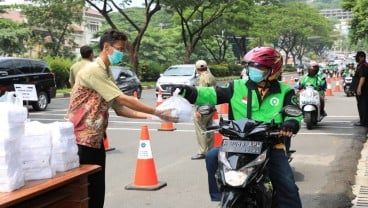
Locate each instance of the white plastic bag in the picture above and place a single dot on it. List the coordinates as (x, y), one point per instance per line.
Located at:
(181, 107)
(13, 98)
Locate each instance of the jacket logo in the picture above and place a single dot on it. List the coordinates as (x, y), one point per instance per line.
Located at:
(245, 100)
(274, 101)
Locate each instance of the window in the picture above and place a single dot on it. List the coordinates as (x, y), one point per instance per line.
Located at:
(93, 27)
(23, 66)
(40, 66)
(7, 65)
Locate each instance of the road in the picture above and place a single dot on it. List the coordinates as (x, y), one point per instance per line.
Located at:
(324, 164)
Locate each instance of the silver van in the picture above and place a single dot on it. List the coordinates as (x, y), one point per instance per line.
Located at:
(176, 74)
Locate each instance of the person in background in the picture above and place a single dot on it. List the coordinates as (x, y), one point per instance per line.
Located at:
(260, 98)
(360, 87)
(318, 81)
(87, 56)
(93, 94)
(203, 118)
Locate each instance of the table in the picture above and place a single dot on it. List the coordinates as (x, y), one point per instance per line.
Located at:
(66, 189)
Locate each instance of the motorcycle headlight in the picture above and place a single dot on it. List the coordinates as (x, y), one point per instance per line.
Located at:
(239, 177)
(259, 160)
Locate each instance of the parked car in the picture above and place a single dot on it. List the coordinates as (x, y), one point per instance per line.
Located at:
(28, 71)
(127, 80)
(176, 74)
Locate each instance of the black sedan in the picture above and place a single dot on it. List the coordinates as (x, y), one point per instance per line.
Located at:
(127, 81)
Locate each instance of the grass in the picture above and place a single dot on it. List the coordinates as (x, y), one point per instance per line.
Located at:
(64, 90)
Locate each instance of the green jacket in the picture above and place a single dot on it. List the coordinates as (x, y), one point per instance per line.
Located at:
(236, 94)
(317, 81)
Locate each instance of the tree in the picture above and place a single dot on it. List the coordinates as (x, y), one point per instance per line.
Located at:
(53, 20)
(359, 24)
(291, 26)
(106, 6)
(194, 16)
(12, 37)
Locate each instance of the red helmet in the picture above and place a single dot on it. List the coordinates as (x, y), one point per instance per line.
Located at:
(314, 64)
(267, 57)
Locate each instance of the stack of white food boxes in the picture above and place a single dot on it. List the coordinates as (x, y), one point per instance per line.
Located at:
(12, 124)
(64, 148)
(35, 149)
(30, 150)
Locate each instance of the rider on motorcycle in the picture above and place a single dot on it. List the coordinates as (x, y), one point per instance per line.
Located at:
(318, 81)
(260, 98)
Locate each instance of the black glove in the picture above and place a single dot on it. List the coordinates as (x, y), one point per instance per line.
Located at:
(291, 125)
(188, 92)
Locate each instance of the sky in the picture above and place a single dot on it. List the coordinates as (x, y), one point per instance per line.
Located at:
(137, 3)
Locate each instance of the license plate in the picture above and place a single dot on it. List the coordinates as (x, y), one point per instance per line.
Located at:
(237, 146)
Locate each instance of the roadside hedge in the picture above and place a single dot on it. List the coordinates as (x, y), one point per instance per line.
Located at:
(60, 67)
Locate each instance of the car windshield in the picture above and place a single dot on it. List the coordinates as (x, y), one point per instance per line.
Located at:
(116, 72)
(179, 71)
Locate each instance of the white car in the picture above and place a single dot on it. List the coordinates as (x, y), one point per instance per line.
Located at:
(177, 74)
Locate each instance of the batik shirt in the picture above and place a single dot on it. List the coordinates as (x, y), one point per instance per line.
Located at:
(93, 94)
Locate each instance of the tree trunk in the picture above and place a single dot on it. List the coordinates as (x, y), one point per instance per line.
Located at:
(188, 53)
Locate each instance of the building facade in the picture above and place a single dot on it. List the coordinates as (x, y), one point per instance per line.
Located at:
(83, 33)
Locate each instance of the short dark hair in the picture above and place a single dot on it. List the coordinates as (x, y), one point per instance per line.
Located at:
(86, 51)
(110, 36)
(360, 53)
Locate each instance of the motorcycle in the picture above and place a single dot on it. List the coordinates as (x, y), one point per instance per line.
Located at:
(242, 174)
(346, 84)
(309, 102)
(300, 70)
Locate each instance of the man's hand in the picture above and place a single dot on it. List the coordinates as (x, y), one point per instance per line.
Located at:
(188, 92)
(166, 115)
(289, 127)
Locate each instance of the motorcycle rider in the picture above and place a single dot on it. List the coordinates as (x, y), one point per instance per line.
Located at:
(267, 97)
(318, 81)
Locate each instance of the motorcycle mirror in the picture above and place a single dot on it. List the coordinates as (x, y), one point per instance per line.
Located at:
(292, 110)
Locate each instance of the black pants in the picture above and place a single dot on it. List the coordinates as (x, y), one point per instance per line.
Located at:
(362, 104)
(96, 188)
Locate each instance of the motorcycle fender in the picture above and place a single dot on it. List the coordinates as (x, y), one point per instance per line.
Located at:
(309, 108)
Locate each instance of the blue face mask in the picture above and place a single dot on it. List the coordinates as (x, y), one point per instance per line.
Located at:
(255, 74)
(116, 57)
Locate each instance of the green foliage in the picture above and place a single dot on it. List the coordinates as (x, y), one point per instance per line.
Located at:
(289, 68)
(12, 38)
(359, 23)
(220, 70)
(56, 19)
(150, 71)
(235, 69)
(61, 68)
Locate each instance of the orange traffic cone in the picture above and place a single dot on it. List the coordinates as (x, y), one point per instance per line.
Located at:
(106, 143)
(145, 172)
(167, 126)
(337, 87)
(329, 90)
(217, 136)
(292, 81)
(224, 108)
(284, 80)
(159, 98)
(329, 79)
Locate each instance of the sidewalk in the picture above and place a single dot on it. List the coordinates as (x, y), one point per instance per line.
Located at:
(360, 189)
